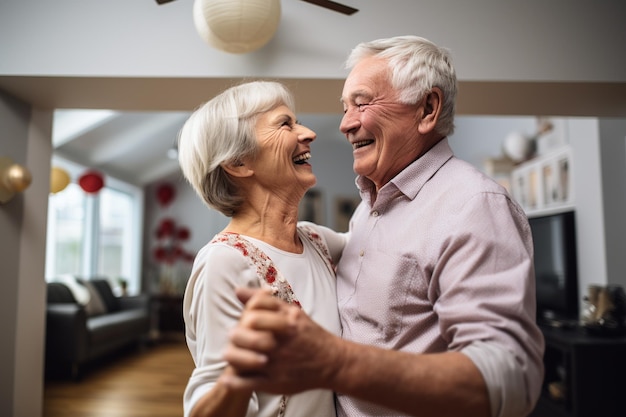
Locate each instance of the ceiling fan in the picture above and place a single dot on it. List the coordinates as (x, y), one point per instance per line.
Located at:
(328, 4)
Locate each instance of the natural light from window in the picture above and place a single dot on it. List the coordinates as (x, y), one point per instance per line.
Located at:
(95, 234)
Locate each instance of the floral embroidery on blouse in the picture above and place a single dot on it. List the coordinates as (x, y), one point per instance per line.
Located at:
(271, 277)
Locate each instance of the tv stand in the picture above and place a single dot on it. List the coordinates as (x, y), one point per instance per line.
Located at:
(584, 374)
(559, 324)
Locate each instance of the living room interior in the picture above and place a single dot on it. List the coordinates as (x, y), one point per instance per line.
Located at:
(145, 62)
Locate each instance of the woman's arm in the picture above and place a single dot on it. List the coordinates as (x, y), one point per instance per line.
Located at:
(211, 309)
(222, 400)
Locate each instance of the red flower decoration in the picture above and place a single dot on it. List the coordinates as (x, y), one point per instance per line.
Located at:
(242, 248)
(271, 274)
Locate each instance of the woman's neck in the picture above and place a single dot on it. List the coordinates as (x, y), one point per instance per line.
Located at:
(274, 224)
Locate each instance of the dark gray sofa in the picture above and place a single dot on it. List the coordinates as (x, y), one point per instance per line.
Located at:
(76, 335)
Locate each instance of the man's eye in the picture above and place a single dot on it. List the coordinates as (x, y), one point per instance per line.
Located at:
(359, 106)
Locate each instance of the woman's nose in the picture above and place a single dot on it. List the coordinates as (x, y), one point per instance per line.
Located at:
(307, 135)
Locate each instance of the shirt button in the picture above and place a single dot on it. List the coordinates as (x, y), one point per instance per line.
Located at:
(362, 253)
(375, 213)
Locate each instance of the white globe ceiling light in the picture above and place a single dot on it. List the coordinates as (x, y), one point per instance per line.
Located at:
(236, 26)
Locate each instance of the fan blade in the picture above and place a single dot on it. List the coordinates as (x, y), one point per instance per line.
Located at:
(337, 7)
(163, 1)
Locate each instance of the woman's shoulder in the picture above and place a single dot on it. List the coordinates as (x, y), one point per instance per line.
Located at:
(220, 254)
(219, 263)
(334, 241)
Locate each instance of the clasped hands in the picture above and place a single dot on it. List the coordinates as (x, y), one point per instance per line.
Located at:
(277, 348)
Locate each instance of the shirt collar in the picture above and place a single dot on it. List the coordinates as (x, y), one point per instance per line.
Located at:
(411, 179)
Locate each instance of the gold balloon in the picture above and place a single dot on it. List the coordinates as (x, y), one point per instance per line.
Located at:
(14, 178)
(59, 179)
(17, 178)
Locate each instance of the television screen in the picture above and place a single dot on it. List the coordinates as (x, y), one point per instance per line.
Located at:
(554, 240)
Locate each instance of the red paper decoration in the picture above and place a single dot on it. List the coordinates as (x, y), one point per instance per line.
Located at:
(91, 181)
(165, 194)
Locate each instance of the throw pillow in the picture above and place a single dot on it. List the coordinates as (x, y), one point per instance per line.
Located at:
(80, 293)
(95, 306)
(111, 302)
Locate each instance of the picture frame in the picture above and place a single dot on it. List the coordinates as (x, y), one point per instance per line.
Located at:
(344, 208)
(311, 207)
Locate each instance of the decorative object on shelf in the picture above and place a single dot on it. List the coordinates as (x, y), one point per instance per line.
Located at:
(59, 179)
(605, 310)
(14, 178)
(123, 286)
(91, 181)
(545, 182)
(520, 147)
(236, 26)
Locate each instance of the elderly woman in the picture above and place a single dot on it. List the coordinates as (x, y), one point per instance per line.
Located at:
(246, 155)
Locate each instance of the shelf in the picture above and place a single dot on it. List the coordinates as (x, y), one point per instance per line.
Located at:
(591, 369)
(543, 185)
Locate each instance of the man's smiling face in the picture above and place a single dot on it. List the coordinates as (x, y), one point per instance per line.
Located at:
(383, 132)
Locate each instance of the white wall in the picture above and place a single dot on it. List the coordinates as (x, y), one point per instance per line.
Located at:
(26, 140)
(612, 133)
(557, 40)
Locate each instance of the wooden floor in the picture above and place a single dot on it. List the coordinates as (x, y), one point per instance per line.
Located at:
(148, 382)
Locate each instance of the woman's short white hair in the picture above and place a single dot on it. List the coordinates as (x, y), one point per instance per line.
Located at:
(416, 66)
(222, 131)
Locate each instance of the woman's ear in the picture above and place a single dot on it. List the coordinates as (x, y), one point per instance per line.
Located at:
(237, 169)
(430, 110)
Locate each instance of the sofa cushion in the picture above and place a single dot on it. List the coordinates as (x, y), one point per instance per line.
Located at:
(111, 302)
(119, 325)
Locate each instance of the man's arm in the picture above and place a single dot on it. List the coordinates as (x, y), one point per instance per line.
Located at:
(277, 348)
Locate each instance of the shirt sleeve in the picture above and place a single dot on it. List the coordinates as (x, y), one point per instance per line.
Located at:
(503, 376)
(210, 310)
(486, 303)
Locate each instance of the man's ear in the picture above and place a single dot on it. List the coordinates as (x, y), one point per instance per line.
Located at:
(430, 110)
(237, 169)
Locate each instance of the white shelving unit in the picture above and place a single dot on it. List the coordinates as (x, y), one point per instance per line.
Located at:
(544, 185)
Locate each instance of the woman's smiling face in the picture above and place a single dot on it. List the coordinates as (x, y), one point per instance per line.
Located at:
(383, 132)
(282, 162)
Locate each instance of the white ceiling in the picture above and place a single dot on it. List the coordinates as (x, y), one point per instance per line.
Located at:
(132, 146)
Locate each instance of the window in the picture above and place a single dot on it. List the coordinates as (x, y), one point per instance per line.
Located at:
(95, 234)
(66, 220)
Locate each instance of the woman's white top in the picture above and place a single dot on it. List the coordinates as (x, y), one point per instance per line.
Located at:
(211, 309)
